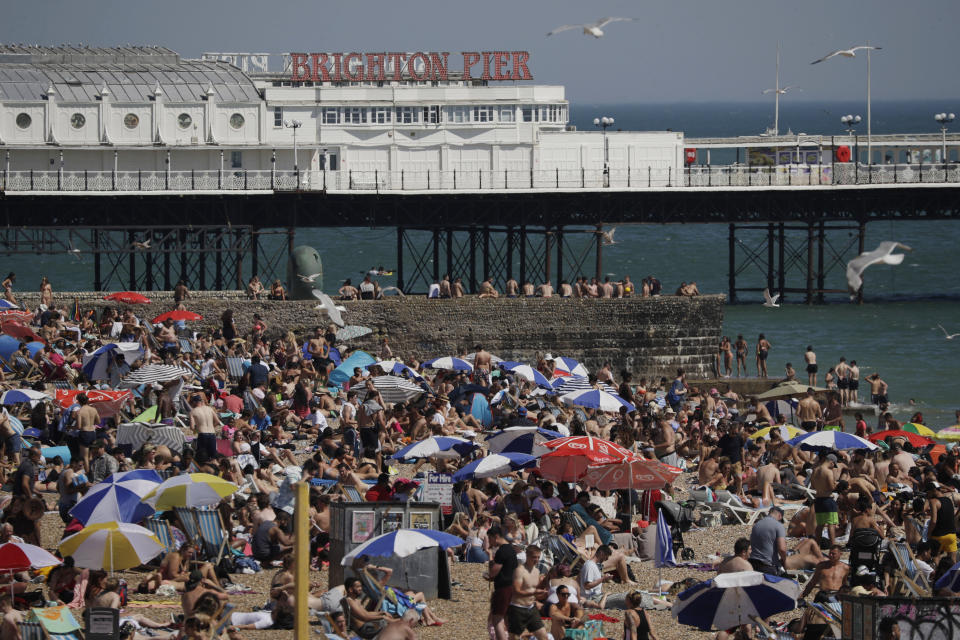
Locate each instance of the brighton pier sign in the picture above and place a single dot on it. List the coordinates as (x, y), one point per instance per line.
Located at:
(420, 66)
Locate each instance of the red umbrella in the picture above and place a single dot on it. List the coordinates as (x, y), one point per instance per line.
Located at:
(571, 456)
(177, 315)
(632, 473)
(15, 314)
(21, 332)
(128, 297)
(912, 438)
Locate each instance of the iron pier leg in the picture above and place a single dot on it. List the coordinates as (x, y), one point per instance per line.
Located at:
(400, 258)
(436, 255)
(486, 252)
(218, 264)
(782, 274)
(202, 260)
(148, 285)
(165, 246)
(473, 259)
(184, 270)
(861, 240)
(821, 236)
(599, 241)
(523, 255)
(547, 237)
(131, 238)
(810, 273)
(559, 257)
(97, 280)
(770, 243)
(240, 252)
(254, 255)
(291, 238)
(510, 253)
(450, 254)
(732, 263)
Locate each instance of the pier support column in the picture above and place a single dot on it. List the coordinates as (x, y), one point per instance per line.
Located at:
(599, 250)
(782, 271)
(473, 259)
(732, 263)
(821, 275)
(400, 283)
(436, 255)
(547, 246)
(770, 245)
(810, 272)
(559, 258)
(523, 254)
(510, 248)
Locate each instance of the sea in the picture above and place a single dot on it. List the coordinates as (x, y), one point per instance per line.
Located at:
(895, 332)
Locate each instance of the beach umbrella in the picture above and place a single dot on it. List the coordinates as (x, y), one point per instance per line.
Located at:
(394, 368)
(15, 315)
(6, 304)
(20, 556)
(569, 367)
(570, 457)
(153, 373)
(912, 438)
(732, 599)
(352, 332)
(177, 315)
(448, 363)
(521, 440)
(787, 431)
(949, 433)
(189, 490)
(118, 498)
(919, 429)
(526, 372)
(112, 546)
(790, 389)
(596, 399)
(821, 440)
(563, 386)
(20, 332)
(128, 297)
(950, 580)
(402, 543)
(15, 396)
(393, 389)
(433, 445)
(634, 472)
(357, 359)
(95, 364)
(496, 464)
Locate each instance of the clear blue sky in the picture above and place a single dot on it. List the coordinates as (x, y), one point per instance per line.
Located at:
(680, 50)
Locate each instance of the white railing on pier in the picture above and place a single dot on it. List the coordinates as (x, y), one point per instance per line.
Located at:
(697, 176)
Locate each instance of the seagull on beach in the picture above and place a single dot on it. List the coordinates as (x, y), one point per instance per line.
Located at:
(948, 336)
(309, 278)
(327, 305)
(846, 53)
(882, 254)
(608, 236)
(781, 90)
(594, 29)
(768, 301)
(142, 246)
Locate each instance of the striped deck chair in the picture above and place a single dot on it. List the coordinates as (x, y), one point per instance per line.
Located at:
(161, 529)
(221, 620)
(908, 579)
(185, 346)
(234, 367)
(31, 631)
(56, 623)
(23, 367)
(352, 494)
(208, 527)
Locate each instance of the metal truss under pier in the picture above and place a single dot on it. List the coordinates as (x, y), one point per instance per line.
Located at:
(148, 258)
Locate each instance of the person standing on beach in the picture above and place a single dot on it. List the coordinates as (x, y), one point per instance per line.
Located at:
(763, 350)
(741, 348)
(809, 412)
(854, 382)
(481, 366)
(523, 615)
(500, 573)
(205, 423)
(811, 359)
(46, 292)
(180, 292)
(87, 420)
(842, 370)
(824, 481)
(8, 288)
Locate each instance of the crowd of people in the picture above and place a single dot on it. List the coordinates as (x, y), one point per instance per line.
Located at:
(551, 550)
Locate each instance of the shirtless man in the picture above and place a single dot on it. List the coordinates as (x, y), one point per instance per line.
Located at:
(546, 290)
(481, 366)
(664, 443)
(401, 629)
(763, 350)
(829, 575)
(458, 288)
(811, 359)
(823, 481)
(740, 560)
(527, 289)
(767, 476)
(445, 288)
(511, 289)
(11, 618)
(833, 413)
(854, 385)
(205, 422)
(566, 291)
(487, 290)
(708, 469)
(87, 420)
(843, 379)
(808, 411)
(46, 292)
(878, 391)
(168, 337)
(194, 589)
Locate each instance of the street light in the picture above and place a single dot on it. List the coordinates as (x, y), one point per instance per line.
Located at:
(944, 119)
(603, 123)
(851, 121)
(294, 124)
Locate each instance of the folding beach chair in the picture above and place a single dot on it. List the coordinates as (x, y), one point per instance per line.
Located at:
(221, 620)
(575, 521)
(372, 589)
(207, 526)
(234, 368)
(185, 346)
(24, 368)
(56, 623)
(161, 529)
(31, 631)
(352, 494)
(907, 578)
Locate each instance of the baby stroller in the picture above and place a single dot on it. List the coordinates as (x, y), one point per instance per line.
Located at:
(679, 517)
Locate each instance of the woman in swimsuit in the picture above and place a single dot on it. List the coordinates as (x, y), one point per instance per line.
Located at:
(741, 346)
(727, 352)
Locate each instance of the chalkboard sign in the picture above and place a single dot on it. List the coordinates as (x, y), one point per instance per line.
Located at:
(102, 623)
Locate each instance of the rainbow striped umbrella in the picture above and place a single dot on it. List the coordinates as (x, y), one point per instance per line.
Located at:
(190, 490)
(918, 429)
(948, 433)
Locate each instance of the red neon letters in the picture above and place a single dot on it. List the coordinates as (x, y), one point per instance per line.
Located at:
(434, 66)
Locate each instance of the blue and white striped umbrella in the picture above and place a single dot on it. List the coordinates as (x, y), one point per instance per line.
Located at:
(836, 440)
(395, 368)
(117, 498)
(526, 372)
(950, 580)
(95, 364)
(6, 304)
(497, 464)
(15, 396)
(449, 363)
(731, 599)
(569, 367)
(569, 385)
(521, 440)
(402, 543)
(434, 445)
(596, 399)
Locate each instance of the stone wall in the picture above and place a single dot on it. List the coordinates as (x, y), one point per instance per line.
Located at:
(647, 336)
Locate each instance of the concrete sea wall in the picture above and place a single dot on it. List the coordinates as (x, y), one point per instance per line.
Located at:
(647, 336)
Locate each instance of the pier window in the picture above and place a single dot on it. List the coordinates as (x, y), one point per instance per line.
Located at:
(354, 115)
(460, 114)
(277, 117)
(236, 159)
(529, 113)
(431, 114)
(483, 113)
(331, 115)
(381, 115)
(508, 114)
(406, 115)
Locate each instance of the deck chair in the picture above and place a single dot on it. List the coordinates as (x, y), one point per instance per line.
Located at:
(829, 615)
(185, 346)
(23, 367)
(348, 619)
(352, 494)
(206, 526)
(908, 579)
(234, 368)
(56, 623)
(736, 510)
(221, 620)
(31, 631)
(161, 529)
(579, 526)
(372, 589)
(769, 631)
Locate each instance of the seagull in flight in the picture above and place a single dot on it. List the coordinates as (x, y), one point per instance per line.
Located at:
(142, 246)
(781, 90)
(846, 53)
(309, 278)
(399, 293)
(594, 29)
(948, 336)
(327, 305)
(882, 254)
(608, 236)
(768, 301)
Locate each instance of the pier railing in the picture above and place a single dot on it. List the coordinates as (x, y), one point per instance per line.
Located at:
(697, 176)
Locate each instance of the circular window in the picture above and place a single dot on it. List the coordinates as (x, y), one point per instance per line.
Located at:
(184, 120)
(77, 121)
(131, 120)
(24, 120)
(236, 121)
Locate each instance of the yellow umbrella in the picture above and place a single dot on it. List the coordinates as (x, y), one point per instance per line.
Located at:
(948, 433)
(919, 429)
(113, 546)
(189, 490)
(786, 430)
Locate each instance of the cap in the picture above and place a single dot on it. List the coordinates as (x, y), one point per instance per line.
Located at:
(669, 411)
(548, 356)
(521, 411)
(714, 392)
(831, 457)
(195, 577)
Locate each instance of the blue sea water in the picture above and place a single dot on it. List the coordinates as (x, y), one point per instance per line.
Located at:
(894, 333)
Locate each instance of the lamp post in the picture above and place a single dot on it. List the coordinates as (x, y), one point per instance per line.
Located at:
(603, 123)
(944, 119)
(851, 53)
(294, 124)
(851, 121)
